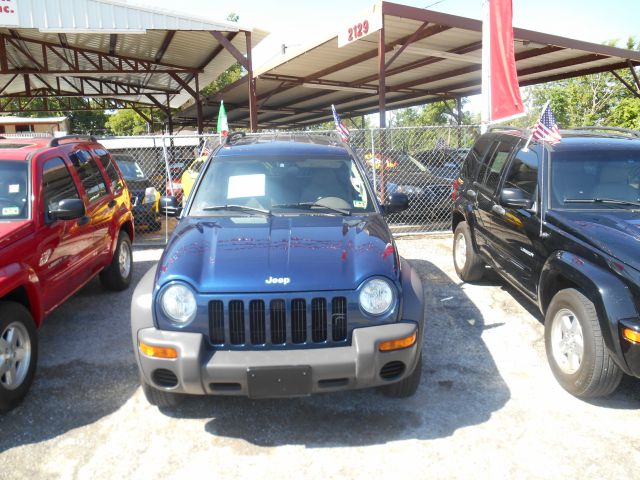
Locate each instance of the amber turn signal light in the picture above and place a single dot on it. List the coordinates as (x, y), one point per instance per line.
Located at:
(158, 352)
(398, 344)
(631, 335)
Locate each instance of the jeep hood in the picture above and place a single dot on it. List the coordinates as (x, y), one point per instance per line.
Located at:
(617, 234)
(278, 253)
(10, 232)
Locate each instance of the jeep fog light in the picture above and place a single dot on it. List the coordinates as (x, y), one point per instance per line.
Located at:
(376, 297)
(179, 304)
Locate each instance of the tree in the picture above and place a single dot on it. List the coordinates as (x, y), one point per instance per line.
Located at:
(599, 99)
(128, 122)
(437, 113)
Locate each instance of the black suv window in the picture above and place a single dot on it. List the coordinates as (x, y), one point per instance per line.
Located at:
(492, 169)
(109, 166)
(523, 172)
(89, 173)
(57, 184)
(475, 157)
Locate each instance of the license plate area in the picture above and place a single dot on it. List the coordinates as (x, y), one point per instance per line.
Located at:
(274, 382)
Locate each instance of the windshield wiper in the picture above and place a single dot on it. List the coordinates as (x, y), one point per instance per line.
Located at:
(341, 211)
(241, 208)
(608, 201)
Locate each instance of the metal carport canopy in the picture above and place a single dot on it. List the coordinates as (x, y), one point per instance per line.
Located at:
(427, 56)
(120, 55)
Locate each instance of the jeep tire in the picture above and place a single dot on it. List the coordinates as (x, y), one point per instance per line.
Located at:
(117, 276)
(18, 354)
(468, 264)
(576, 352)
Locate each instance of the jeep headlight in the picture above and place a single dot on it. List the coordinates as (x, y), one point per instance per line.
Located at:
(376, 297)
(178, 303)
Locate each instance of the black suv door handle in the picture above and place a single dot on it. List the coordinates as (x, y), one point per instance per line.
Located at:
(498, 209)
(112, 203)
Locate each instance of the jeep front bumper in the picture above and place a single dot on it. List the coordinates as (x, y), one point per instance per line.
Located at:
(202, 371)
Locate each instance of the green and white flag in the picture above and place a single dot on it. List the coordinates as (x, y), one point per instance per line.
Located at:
(223, 125)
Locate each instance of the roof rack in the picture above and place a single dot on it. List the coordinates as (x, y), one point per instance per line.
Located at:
(627, 131)
(78, 138)
(524, 131)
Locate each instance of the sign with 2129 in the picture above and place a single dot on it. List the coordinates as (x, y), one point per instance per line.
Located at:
(363, 25)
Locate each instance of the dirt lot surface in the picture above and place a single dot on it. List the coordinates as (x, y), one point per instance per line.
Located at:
(488, 406)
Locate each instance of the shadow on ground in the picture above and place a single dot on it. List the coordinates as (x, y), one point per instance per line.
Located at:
(460, 387)
(86, 369)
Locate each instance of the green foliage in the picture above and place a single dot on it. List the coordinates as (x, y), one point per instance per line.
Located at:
(599, 99)
(128, 122)
(438, 113)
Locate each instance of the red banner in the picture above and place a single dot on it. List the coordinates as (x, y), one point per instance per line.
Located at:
(505, 91)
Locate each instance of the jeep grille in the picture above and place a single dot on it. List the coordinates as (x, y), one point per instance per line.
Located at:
(277, 323)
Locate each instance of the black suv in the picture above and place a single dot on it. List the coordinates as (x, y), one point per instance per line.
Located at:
(560, 223)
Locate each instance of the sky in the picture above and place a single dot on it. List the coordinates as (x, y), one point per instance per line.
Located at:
(299, 22)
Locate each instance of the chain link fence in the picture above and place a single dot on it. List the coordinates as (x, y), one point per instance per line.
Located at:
(421, 162)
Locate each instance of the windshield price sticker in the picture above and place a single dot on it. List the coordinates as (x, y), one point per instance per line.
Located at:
(361, 27)
(243, 186)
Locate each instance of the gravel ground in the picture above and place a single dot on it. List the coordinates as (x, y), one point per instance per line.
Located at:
(487, 407)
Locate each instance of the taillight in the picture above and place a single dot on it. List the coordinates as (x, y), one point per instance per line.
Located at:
(454, 192)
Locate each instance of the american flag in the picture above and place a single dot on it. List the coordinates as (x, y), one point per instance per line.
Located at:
(546, 129)
(342, 129)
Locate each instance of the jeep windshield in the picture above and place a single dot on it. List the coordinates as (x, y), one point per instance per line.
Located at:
(596, 179)
(288, 185)
(13, 190)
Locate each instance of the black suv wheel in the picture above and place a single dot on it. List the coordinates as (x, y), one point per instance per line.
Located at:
(469, 266)
(575, 348)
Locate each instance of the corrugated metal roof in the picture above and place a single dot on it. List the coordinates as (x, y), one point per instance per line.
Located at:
(70, 38)
(298, 89)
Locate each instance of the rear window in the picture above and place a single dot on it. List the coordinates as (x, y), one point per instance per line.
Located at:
(475, 157)
(89, 173)
(107, 162)
(13, 190)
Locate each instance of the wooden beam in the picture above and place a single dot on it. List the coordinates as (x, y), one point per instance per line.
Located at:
(113, 43)
(165, 44)
(406, 43)
(230, 47)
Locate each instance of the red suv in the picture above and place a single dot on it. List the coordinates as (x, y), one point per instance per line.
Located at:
(65, 216)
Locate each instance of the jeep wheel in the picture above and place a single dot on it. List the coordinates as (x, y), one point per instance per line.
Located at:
(469, 266)
(160, 398)
(117, 276)
(407, 386)
(18, 354)
(575, 348)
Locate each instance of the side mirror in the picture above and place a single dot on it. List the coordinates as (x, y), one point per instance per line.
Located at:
(169, 206)
(68, 209)
(396, 202)
(515, 198)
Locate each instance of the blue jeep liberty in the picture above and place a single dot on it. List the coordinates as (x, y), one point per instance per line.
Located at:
(281, 279)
